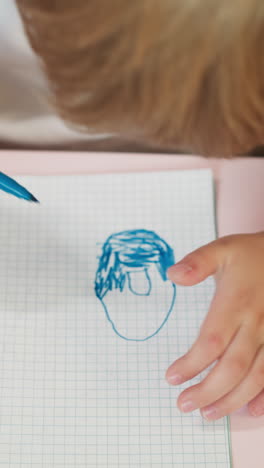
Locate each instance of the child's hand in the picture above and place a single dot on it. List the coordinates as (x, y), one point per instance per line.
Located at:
(233, 331)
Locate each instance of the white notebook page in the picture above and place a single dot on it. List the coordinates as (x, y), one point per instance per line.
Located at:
(76, 388)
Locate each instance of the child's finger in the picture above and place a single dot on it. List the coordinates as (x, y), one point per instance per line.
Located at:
(216, 333)
(198, 265)
(226, 375)
(248, 389)
(256, 406)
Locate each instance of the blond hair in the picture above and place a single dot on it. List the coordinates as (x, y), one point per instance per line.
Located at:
(177, 73)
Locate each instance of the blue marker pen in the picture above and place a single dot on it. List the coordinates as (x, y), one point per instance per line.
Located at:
(11, 186)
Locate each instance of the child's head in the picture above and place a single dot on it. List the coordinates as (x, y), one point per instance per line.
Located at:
(183, 74)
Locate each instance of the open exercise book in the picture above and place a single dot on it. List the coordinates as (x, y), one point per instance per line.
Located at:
(89, 322)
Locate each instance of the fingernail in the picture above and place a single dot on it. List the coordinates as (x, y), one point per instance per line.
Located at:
(210, 413)
(175, 379)
(179, 269)
(188, 406)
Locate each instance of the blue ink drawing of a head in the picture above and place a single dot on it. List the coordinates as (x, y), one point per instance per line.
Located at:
(131, 283)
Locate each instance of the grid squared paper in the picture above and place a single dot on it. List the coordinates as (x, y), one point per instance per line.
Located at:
(73, 393)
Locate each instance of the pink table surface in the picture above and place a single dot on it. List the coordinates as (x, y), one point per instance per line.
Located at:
(240, 197)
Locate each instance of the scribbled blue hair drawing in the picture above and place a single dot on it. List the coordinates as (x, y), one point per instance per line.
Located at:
(128, 250)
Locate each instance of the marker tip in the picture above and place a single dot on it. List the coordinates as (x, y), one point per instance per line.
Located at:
(33, 199)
